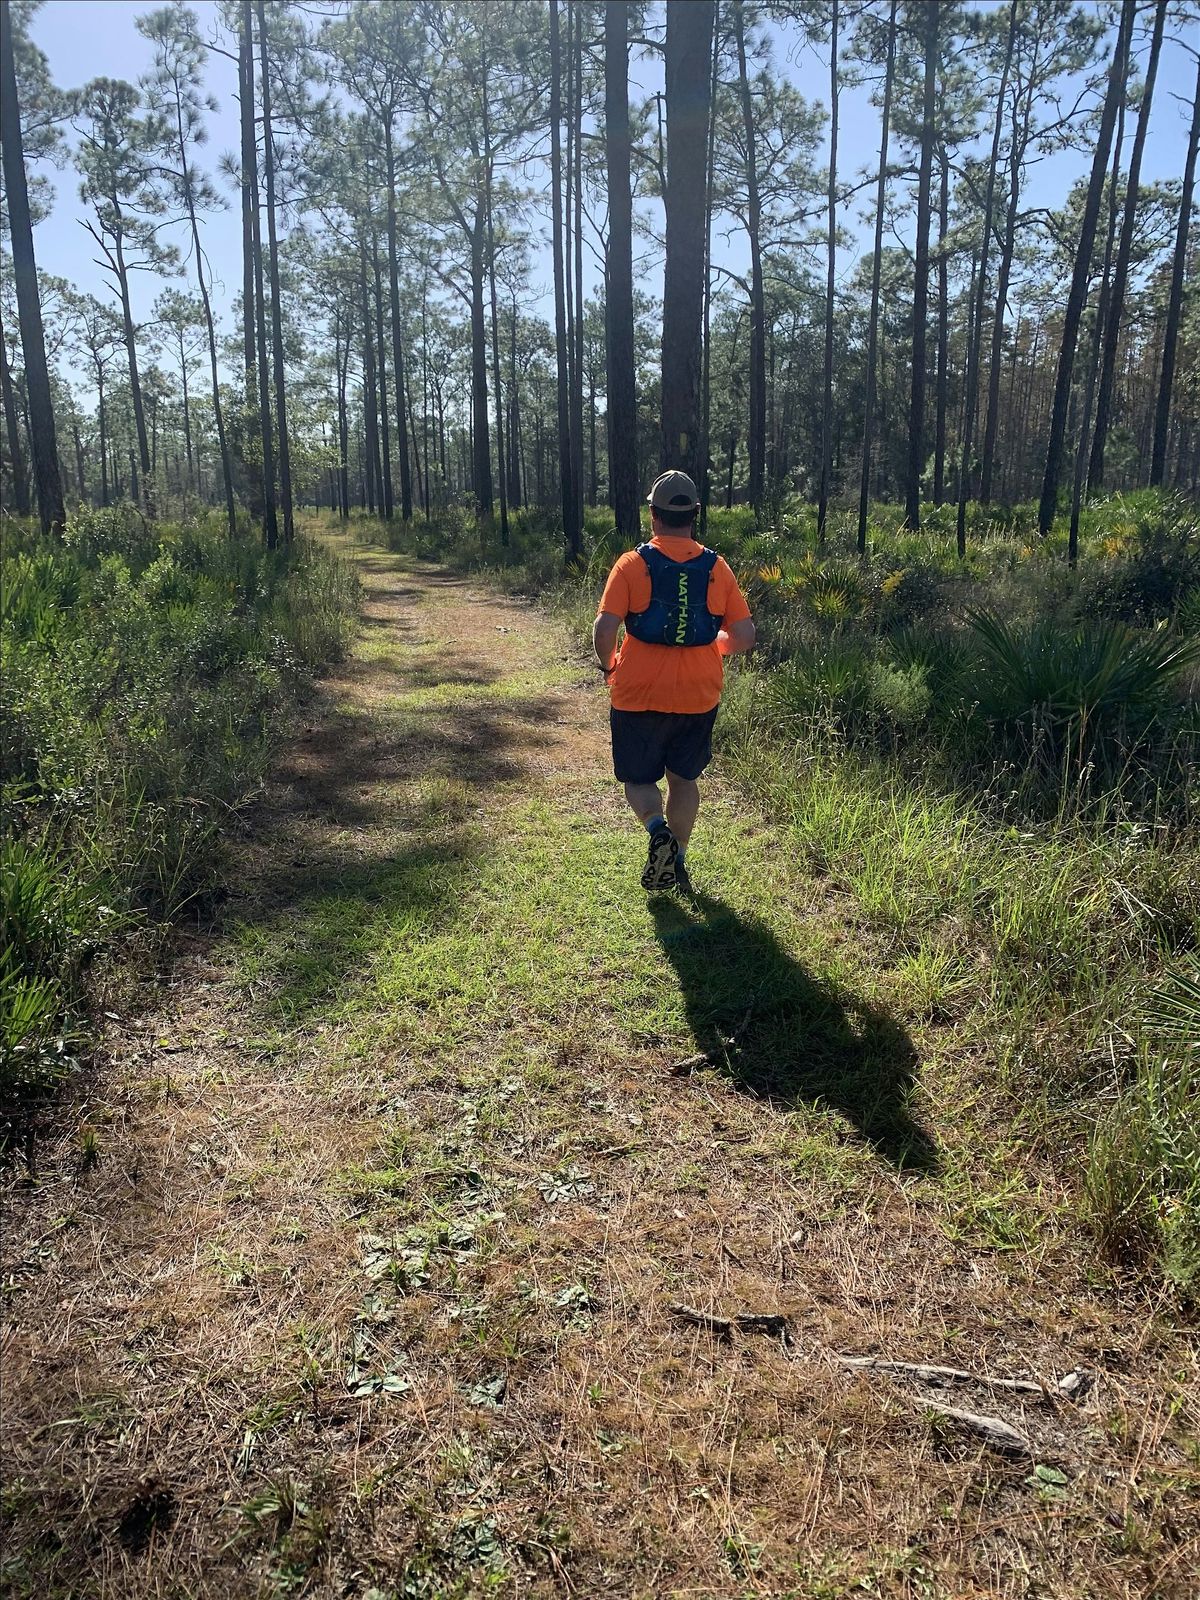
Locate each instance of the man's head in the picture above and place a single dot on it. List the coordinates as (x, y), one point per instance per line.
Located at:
(673, 504)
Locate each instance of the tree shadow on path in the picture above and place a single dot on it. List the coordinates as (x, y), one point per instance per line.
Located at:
(783, 1035)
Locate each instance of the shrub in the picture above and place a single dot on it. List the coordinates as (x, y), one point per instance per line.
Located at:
(828, 683)
(1074, 684)
(907, 593)
(144, 670)
(1149, 576)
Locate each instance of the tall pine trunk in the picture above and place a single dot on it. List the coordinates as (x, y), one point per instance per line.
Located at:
(576, 69)
(943, 338)
(830, 269)
(756, 438)
(387, 502)
(916, 416)
(1162, 409)
(250, 154)
(514, 416)
(135, 383)
(571, 533)
(343, 473)
(706, 373)
(285, 451)
(16, 456)
(501, 475)
(481, 445)
(251, 423)
(197, 251)
(987, 467)
(371, 472)
(1116, 302)
(1048, 504)
(402, 420)
(101, 421)
(43, 442)
(688, 42)
(864, 485)
(975, 340)
(618, 305)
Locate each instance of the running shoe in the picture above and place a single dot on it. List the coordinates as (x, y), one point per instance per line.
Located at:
(683, 881)
(660, 860)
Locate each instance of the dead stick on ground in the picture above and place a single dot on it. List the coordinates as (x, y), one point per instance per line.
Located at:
(938, 1375)
(999, 1435)
(721, 1326)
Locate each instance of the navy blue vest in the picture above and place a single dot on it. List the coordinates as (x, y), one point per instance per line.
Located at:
(678, 611)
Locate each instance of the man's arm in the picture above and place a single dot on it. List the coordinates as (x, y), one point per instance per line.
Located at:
(604, 638)
(737, 638)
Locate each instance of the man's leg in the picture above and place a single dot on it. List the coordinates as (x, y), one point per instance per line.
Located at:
(683, 802)
(645, 800)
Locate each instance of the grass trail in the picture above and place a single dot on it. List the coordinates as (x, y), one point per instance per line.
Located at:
(368, 1291)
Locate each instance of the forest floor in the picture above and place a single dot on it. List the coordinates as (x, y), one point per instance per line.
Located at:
(354, 1274)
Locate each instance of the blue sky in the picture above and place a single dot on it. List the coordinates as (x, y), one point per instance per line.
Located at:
(91, 38)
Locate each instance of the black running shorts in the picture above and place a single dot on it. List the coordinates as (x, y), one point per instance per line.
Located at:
(648, 743)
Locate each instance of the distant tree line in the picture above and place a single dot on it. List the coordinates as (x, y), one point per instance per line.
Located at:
(400, 164)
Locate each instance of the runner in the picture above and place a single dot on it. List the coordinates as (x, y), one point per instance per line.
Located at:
(683, 612)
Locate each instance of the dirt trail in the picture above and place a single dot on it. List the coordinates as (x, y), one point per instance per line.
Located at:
(369, 1291)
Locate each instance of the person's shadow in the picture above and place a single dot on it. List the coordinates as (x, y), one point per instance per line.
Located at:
(786, 1036)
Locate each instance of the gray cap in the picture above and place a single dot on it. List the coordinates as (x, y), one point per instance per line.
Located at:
(673, 491)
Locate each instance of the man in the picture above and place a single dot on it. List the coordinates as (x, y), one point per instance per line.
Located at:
(683, 612)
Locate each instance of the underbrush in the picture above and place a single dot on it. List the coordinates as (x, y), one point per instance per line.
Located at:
(145, 668)
(998, 758)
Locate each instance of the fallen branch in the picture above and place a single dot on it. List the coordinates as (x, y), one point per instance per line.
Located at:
(721, 1326)
(763, 1322)
(995, 1433)
(771, 1322)
(940, 1375)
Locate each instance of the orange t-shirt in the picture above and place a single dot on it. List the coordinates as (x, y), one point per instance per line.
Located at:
(668, 677)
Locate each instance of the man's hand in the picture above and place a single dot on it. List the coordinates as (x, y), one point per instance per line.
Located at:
(737, 638)
(604, 640)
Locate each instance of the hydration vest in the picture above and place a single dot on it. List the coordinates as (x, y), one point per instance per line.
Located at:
(678, 611)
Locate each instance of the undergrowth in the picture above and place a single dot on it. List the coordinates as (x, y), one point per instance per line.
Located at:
(145, 669)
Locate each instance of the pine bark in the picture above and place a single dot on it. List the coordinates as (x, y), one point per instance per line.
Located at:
(402, 420)
(688, 42)
(481, 452)
(285, 453)
(572, 534)
(864, 487)
(250, 155)
(576, 69)
(501, 476)
(830, 269)
(971, 382)
(943, 337)
(371, 472)
(916, 417)
(43, 442)
(387, 502)
(756, 437)
(16, 456)
(618, 319)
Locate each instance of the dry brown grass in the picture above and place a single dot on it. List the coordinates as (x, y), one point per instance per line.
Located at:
(181, 1316)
